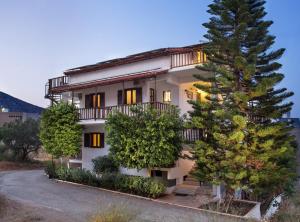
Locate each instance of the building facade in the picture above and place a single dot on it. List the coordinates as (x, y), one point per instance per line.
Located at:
(157, 78)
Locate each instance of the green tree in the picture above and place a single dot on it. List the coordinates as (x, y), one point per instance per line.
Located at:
(21, 137)
(245, 146)
(146, 139)
(60, 132)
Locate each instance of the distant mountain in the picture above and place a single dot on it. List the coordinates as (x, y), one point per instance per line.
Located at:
(16, 105)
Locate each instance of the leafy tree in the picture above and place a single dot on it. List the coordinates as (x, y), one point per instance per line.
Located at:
(146, 139)
(244, 146)
(21, 137)
(60, 132)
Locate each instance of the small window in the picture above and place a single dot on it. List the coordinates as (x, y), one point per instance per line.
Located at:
(95, 100)
(94, 140)
(166, 96)
(133, 96)
(152, 95)
(156, 173)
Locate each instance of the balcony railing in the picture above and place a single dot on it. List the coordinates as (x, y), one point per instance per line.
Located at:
(192, 135)
(103, 113)
(186, 59)
(59, 81)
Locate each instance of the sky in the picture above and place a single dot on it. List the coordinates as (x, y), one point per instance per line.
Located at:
(39, 39)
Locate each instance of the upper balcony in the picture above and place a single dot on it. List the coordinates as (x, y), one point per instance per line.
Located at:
(193, 57)
(143, 65)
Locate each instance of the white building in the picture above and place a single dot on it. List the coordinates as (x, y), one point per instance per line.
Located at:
(159, 77)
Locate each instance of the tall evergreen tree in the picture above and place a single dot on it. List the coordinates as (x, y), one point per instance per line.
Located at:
(244, 144)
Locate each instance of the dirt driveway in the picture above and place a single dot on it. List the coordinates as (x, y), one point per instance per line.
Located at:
(77, 203)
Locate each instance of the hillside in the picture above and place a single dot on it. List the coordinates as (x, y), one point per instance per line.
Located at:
(16, 105)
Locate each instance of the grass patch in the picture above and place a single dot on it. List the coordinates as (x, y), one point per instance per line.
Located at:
(3, 205)
(236, 208)
(114, 214)
(289, 210)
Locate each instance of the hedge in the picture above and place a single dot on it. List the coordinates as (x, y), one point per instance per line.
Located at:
(147, 187)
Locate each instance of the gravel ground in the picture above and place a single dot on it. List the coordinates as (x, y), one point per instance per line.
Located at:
(51, 201)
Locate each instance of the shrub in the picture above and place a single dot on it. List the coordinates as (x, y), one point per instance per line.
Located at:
(84, 177)
(104, 164)
(50, 170)
(147, 187)
(146, 139)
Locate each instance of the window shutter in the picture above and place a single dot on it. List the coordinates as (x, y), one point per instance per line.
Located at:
(102, 140)
(152, 95)
(87, 140)
(120, 97)
(88, 101)
(102, 100)
(139, 95)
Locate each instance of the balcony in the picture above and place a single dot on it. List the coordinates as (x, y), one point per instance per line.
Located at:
(59, 81)
(54, 84)
(191, 135)
(103, 113)
(189, 58)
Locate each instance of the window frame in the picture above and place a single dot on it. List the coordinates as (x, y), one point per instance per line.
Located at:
(90, 142)
(164, 96)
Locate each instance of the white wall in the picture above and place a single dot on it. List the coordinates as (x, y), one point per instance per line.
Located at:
(146, 65)
(134, 172)
(90, 153)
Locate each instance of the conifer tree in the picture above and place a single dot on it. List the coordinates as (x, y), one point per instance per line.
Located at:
(244, 145)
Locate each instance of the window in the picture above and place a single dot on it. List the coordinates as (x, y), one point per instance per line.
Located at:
(152, 95)
(131, 96)
(94, 140)
(166, 96)
(95, 100)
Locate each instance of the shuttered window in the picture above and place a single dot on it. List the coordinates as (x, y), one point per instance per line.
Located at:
(131, 96)
(95, 100)
(94, 140)
(152, 95)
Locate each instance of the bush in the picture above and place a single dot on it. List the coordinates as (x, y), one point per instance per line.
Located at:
(147, 187)
(104, 164)
(50, 170)
(146, 139)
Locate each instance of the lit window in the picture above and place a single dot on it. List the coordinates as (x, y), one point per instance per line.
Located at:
(166, 96)
(94, 140)
(128, 97)
(131, 96)
(134, 96)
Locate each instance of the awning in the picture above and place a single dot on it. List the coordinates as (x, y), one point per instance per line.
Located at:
(108, 81)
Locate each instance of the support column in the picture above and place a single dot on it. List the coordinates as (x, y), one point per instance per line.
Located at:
(155, 92)
(72, 97)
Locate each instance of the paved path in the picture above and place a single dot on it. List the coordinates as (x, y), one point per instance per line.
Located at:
(33, 188)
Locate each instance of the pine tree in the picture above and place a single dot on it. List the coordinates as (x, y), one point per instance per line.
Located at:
(244, 145)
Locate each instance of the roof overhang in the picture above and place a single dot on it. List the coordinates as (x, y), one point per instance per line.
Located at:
(109, 81)
(132, 58)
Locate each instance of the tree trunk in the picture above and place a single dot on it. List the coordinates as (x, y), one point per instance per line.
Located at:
(229, 195)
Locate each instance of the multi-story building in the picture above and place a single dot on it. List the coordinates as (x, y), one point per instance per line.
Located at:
(161, 77)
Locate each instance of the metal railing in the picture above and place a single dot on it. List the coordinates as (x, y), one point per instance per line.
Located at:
(192, 135)
(59, 81)
(103, 113)
(189, 58)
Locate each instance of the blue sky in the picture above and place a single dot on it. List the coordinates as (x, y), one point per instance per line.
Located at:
(39, 39)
